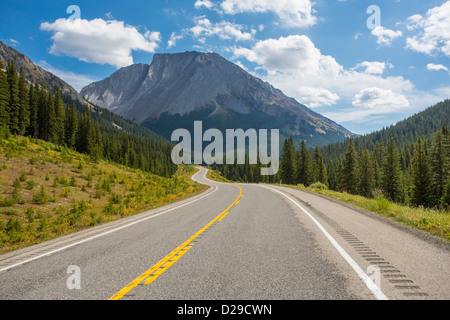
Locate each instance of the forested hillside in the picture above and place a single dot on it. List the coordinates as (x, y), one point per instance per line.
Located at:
(35, 111)
(407, 163)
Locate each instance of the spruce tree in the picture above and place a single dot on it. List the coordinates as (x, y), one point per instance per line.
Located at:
(4, 97)
(303, 165)
(24, 104)
(14, 104)
(33, 103)
(391, 176)
(287, 166)
(59, 118)
(350, 178)
(71, 126)
(421, 178)
(367, 175)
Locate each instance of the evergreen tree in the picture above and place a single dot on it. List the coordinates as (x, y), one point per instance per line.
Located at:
(4, 98)
(391, 177)
(303, 165)
(287, 166)
(350, 179)
(24, 105)
(439, 165)
(71, 126)
(421, 178)
(59, 118)
(367, 175)
(14, 104)
(51, 118)
(42, 112)
(33, 104)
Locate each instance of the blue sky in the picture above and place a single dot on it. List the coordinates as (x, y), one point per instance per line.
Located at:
(325, 54)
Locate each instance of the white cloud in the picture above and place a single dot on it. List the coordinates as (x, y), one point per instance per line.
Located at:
(203, 3)
(436, 67)
(297, 67)
(298, 13)
(373, 67)
(434, 31)
(379, 100)
(317, 97)
(224, 30)
(385, 36)
(99, 41)
(173, 40)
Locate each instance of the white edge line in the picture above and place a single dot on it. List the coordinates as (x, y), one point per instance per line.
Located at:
(107, 232)
(376, 291)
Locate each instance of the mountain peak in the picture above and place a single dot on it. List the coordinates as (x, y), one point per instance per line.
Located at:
(182, 84)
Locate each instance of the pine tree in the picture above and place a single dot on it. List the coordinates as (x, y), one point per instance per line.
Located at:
(14, 104)
(439, 166)
(4, 97)
(42, 112)
(391, 177)
(421, 178)
(59, 118)
(367, 175)
(287, 166)
(350, 179)
(71, 126)
(33, 104)
(303, 165)
(24, 104)
(51, 118)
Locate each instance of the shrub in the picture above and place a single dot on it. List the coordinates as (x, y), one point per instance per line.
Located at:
(41, 197)
(319, 185)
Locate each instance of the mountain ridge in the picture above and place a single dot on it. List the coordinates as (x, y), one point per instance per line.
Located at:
(181, 83)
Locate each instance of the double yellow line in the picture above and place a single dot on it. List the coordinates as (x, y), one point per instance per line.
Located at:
(154, 272)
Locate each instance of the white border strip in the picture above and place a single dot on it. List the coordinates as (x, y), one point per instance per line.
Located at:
(362, 275)
(109, 231)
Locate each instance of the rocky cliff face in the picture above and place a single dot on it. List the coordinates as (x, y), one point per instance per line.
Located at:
(216, 90)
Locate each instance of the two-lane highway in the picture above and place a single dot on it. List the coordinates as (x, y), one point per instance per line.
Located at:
(234, 241)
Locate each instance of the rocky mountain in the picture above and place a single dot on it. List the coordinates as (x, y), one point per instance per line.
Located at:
(177, 89)
(34, 73)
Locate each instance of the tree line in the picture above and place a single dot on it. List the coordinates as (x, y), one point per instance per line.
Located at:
(36, 111)
(417, 174)
(423, 181)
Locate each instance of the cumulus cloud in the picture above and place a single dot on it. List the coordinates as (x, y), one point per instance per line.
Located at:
(204, 3)
(434, 31)
(224, 30)
(298, 13)
(385, 36)
(99, 41)
(295, 65)
(317, 97)
(373, 67)
(379, 100)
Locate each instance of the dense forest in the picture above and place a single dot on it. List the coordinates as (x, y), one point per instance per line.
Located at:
(407, 163)
(33, 110)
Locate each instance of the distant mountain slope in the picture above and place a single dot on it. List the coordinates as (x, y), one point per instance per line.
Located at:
(35, 74)
(177, 88)
(424, 125)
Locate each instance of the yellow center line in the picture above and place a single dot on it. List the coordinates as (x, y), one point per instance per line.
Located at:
(154, 272)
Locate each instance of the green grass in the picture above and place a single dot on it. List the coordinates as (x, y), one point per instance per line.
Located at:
(436, 222)
(47, 191)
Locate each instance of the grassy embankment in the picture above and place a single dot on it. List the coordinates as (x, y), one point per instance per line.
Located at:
(48, 191)
(433, 221)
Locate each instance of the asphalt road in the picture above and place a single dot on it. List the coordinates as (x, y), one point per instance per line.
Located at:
(232, 242)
